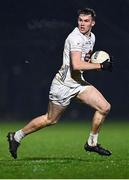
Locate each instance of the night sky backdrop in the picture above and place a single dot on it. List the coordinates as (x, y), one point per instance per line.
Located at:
(32, 35)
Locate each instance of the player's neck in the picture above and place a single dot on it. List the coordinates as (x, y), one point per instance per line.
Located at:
(88, 34)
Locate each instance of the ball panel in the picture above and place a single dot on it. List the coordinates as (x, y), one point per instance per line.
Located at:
(99, 57)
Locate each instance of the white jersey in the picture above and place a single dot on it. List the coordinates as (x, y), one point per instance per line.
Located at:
(76, 41)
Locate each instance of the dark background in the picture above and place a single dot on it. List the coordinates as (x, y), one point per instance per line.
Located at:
(32, 35)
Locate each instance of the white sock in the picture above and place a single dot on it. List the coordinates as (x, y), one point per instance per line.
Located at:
(19, 135)
(93, 139)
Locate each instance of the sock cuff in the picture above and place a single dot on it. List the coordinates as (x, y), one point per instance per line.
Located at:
(91, 134)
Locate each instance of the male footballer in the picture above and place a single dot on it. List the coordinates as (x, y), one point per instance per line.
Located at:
(69, 83)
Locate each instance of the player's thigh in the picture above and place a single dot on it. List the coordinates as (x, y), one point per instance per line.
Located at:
(55, 111)
(92, 97)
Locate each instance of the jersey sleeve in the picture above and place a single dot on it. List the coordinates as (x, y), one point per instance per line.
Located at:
(75, 44)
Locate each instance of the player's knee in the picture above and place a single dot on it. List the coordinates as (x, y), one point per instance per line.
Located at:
(53, 122)
(106, 108)
(50, 121)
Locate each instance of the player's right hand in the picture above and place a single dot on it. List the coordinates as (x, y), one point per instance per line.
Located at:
(106, 65)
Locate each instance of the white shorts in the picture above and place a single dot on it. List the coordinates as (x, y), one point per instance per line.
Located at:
(61, 94)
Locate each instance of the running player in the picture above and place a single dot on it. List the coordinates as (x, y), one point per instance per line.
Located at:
(69, 83)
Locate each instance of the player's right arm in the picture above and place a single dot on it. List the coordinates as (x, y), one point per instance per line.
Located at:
(78, 64)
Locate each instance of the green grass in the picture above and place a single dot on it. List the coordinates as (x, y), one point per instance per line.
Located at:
(57, 152)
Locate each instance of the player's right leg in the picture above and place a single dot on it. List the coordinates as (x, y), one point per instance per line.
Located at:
(50, 118)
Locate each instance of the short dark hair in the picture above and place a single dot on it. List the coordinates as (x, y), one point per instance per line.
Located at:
(87, 11)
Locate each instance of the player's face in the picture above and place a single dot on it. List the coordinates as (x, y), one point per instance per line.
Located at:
(85, 23)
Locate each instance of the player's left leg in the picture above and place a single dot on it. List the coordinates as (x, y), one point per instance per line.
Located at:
(92, 97)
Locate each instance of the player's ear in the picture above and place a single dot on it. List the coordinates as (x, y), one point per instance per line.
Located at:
(93, 23)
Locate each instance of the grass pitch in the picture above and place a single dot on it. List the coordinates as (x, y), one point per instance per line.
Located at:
(57, 152)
